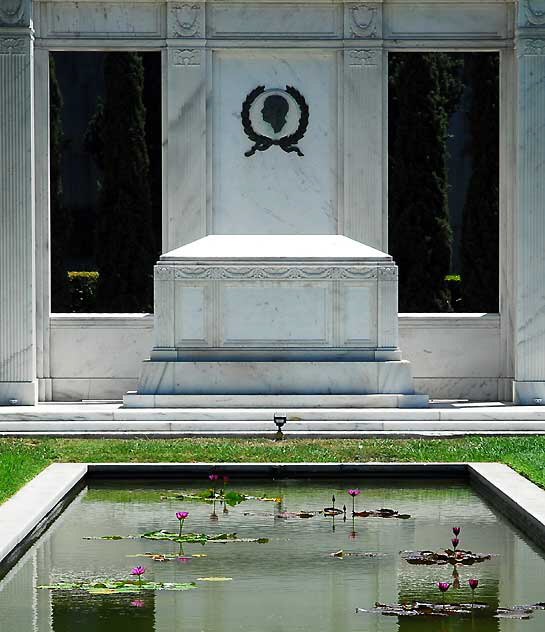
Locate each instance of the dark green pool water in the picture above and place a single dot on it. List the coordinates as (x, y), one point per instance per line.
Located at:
(289, 584)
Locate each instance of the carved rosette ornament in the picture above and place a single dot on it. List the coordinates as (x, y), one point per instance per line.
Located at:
(187, 57)
(163, 272)
(12, 45)
(364, 58)
(363, 20)
(186, 20)
(533, 47)
(12, 12)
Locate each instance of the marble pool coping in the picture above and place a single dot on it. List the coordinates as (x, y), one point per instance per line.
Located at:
(28, 513)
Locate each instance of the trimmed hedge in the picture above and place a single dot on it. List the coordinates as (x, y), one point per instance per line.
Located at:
(82, 291)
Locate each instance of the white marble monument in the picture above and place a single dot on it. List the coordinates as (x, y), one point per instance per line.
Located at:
(215, 53)
(268, 320)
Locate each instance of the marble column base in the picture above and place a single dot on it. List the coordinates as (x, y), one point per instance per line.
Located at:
(26, 393)
(526, 393)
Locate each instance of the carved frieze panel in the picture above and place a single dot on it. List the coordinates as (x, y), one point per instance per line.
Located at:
(363, 58)
(186, 20)
(276, 272)
(363, 21)
(14, 12)
(12, 45)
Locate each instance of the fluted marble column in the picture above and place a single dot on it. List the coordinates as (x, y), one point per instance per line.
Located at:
(529, 225)
(17, 303)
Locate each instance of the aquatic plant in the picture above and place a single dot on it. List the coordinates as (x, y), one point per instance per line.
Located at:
(114, 586)
(473, 583)
(443, 587)
(455, 543)
(138, 571)
(354, 493)
(181, 515)
(481, 610)
(456, 531)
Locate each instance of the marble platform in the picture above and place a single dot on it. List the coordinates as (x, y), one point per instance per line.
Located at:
(287, 316)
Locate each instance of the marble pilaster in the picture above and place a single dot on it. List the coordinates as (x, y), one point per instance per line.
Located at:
(364, 213)
(529, 225)
(185, 137)
(17, 239)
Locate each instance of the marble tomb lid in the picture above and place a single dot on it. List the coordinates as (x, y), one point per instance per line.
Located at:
(297, 248)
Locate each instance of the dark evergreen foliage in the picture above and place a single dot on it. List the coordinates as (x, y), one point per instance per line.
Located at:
(125, 250)
(60, 217)
(152, 101)
(480, 238)
(424, 89)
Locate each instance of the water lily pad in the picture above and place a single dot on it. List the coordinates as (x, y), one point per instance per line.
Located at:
(381, 513)
(114, 587)
(201, 538)
(479, 610)
(209, 495)
(298, 514)
(214, 579)
(446, 556)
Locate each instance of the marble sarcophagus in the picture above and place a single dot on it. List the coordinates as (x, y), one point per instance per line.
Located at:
(275, 320)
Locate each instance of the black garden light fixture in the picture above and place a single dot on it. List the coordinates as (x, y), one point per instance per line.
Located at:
(279, 420)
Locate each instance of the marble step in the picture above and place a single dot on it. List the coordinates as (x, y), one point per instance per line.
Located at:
(75, 413)
(258, 427)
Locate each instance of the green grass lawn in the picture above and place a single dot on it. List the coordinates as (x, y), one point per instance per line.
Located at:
(21, 459)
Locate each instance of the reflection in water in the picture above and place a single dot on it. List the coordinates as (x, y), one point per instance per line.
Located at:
(292, 583)
(103, 613)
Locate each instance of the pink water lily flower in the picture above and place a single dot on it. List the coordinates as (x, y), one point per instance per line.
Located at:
(137, 603)
(213, 477)
(473, 583)
(443, 586)
(455, 542)
(456, 531)
(182, 515)
(354, 493)
(138, 571)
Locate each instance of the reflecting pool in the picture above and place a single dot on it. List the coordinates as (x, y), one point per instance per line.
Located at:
(291, 583)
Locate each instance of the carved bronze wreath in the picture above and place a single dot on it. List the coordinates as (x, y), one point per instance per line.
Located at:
(286, 143)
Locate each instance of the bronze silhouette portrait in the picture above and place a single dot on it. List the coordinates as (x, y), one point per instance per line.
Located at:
(274, 112)
(270, 111)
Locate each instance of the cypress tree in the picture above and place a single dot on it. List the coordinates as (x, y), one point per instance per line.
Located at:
(152, 102)
(60, 218)
(125, 250)
(480, 224)
(424, 89)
